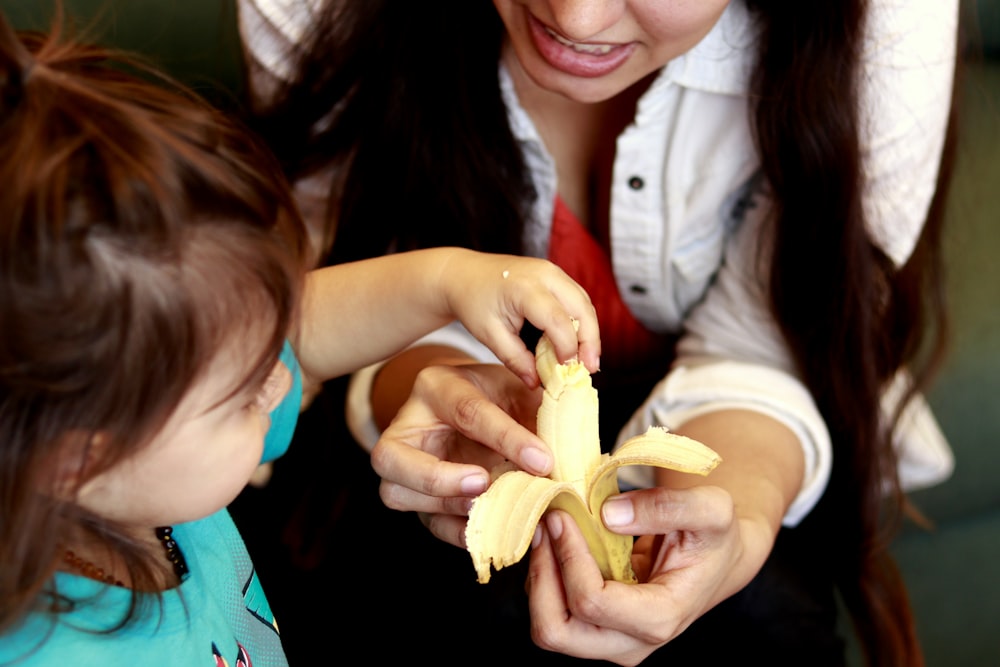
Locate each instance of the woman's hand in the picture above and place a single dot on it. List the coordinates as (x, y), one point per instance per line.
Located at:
(703, 540)
(692, 557)
(429, 457)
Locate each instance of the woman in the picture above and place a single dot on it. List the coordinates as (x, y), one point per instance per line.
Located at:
(748, 190)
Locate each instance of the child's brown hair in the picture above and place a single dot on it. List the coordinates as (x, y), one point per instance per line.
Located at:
(140, 230)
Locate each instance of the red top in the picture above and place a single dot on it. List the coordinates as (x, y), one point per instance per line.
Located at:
(625, 342)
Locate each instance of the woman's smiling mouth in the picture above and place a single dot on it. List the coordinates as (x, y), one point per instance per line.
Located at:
(581, 59)
(581, 47)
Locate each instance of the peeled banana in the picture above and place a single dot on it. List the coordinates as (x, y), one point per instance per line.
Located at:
(503, 519)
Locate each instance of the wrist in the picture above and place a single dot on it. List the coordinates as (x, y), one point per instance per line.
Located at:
(756, 536)
(448, 278)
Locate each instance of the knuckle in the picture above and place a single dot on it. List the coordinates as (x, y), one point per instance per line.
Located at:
(432, 483)
(427, 379)
(661, 628)
(458, 506)
(721, 503)
(664, 501)
(380, 458)
(507, 440)
(447, 528)
(467, 412)
(658, 634)
(546, 635)
(388, 493)
(588, 606)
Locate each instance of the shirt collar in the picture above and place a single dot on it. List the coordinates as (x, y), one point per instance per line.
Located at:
(722, 61)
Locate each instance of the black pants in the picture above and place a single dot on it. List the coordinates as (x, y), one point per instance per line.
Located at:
(345, 575)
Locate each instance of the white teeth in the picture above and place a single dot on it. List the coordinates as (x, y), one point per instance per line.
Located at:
(593, 49)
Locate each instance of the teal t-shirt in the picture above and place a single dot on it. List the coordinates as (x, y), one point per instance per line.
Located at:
(218, 615)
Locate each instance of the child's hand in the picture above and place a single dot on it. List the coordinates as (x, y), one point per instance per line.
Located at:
(493, 295)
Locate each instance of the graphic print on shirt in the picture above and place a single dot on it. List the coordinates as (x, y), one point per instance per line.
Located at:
(256, 602)
(242, 658)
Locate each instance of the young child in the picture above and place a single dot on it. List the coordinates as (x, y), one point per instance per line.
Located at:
(157, 327)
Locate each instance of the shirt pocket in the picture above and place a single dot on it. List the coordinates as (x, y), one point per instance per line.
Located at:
(695, 260)
(700, 245)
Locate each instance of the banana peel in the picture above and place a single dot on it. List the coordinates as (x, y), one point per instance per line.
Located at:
(502, 520)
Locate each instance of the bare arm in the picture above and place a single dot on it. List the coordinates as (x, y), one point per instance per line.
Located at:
(762, 470)
(361, 312)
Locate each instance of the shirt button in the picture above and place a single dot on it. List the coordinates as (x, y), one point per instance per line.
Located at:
(636, 183)
(637, 289)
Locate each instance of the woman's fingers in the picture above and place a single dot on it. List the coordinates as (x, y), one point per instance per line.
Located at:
(573, 610)
(452, 408)
(445, 527)
(430, 458)
(411, 458)
(659, 510)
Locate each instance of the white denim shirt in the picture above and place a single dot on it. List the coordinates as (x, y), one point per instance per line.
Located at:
(687, 208)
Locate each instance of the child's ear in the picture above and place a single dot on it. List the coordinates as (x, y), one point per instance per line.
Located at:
(73, 462)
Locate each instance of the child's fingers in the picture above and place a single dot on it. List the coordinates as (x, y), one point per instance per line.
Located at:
(508, 347)
(573, 327)
(570, 322)
(505, 342)
(540, 292)
(588, 338)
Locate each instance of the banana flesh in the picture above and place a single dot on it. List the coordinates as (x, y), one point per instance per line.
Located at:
(503, 519)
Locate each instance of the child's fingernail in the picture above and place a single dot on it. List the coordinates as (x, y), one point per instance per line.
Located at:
(474, 484)
(536, 539)
(535, 460)
(617, 511)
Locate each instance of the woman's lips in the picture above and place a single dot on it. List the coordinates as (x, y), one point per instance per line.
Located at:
(581, 59)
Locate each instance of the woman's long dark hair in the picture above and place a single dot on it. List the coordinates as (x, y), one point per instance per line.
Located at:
(418, 131)
(419, 136)
(851, 318)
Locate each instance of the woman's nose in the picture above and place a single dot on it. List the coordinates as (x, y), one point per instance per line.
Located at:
(581, 20)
